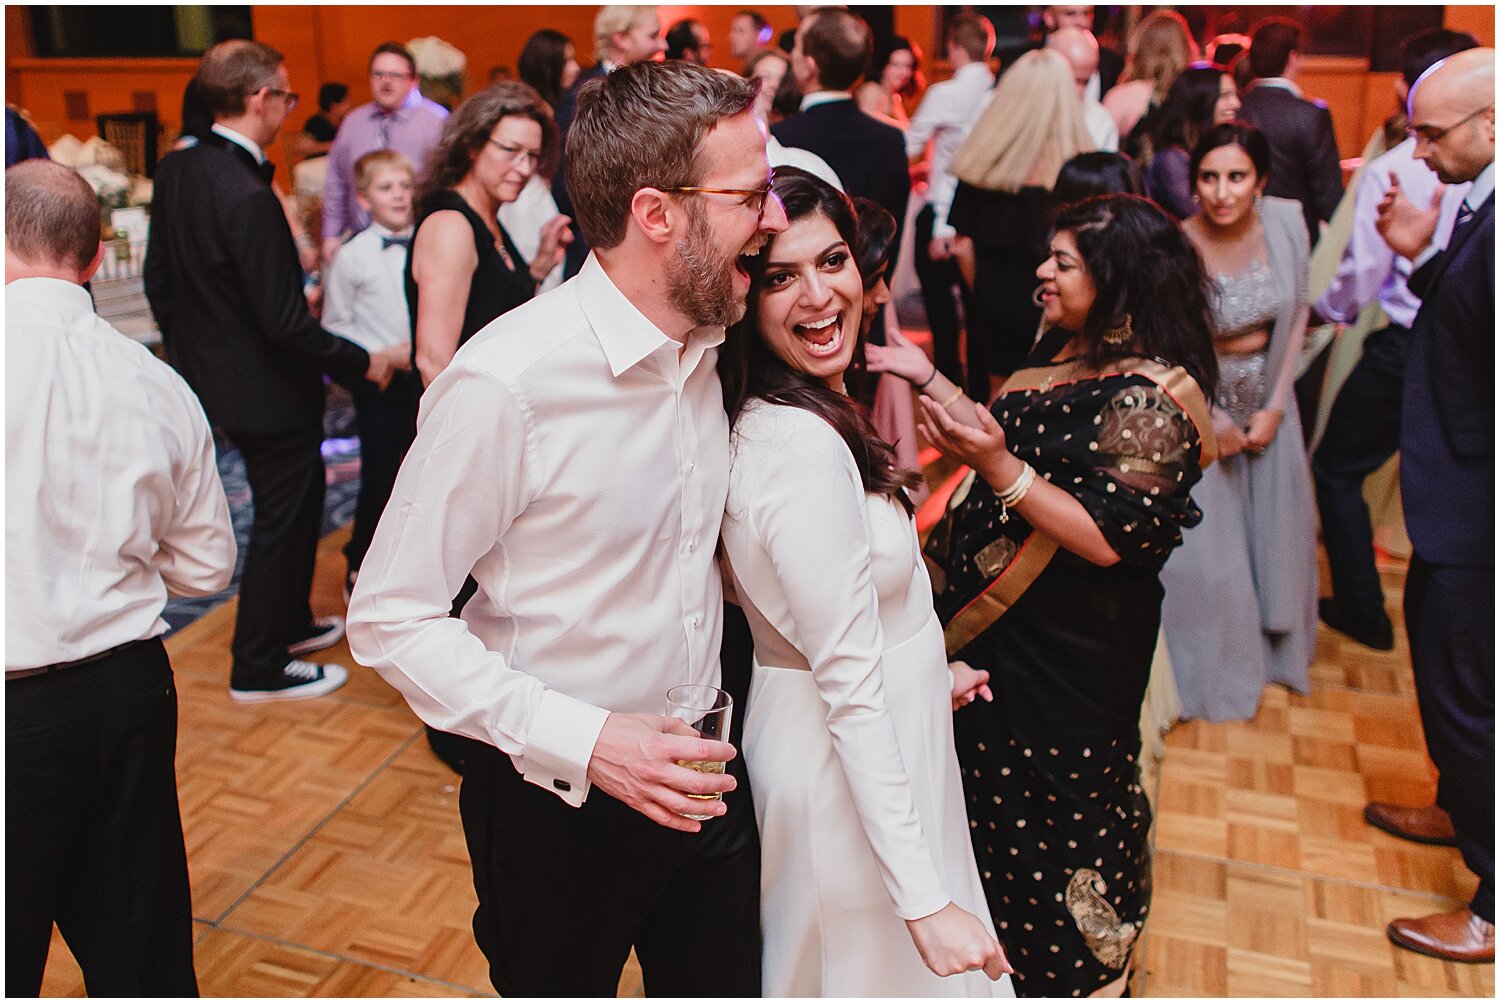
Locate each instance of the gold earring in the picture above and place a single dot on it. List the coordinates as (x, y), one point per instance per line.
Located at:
(1120, 334)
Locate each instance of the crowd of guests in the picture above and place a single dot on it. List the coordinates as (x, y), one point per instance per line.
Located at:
(633, 405)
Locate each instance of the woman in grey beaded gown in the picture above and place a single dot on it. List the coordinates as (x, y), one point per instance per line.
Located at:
(1241, 593)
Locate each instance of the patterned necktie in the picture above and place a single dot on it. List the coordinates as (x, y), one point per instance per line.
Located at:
(1464, 218)
(386, 242)
(385, 131)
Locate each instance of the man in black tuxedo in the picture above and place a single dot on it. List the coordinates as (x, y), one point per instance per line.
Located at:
(623, 34)
(831, 51)
(1448, 479)
(225, 284)
(1304, 155)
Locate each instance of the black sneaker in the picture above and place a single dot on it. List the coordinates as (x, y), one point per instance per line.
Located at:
(1380, 636)
(326, 632)
(298, 681)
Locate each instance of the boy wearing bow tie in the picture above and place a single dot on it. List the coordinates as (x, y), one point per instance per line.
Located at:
(365, 301)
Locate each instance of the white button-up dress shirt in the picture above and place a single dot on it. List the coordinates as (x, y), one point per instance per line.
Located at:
(365, 298)
(1369, 268)
(944, 118)
(574, 460)
(112, 498)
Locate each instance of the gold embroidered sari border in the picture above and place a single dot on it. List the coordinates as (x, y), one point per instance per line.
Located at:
(975, 618)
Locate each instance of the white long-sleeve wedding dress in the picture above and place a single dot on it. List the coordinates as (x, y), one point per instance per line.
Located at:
(848, 733)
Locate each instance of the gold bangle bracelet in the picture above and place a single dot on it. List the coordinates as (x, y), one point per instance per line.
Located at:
(947, 403)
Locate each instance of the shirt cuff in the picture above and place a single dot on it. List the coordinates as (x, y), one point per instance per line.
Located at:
(943, 230)
(1431, 251)
(559, 745)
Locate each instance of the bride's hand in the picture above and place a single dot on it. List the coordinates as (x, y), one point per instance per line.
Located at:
(901, 357)
(969, 683)
(952, 941)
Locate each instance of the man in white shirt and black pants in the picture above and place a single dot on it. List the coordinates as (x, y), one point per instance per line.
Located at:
(943, 119)
(574, 458)
(112, 500)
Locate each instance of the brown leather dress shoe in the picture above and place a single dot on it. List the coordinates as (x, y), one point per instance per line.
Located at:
(1430, 825)
(1450, 936)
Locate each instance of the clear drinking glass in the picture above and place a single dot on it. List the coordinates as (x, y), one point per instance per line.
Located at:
(705, 709)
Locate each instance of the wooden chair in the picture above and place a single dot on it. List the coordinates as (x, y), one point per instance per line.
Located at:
(134, 134)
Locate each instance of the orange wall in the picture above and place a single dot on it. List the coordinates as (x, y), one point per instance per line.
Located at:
(324, 43)
(1477, 21)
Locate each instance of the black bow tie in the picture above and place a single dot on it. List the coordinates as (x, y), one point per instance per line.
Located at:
(266, 170)
(386, 242)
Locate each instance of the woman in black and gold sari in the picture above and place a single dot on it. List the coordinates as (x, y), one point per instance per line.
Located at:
(1046, 571)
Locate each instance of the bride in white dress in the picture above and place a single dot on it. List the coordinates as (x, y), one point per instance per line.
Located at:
(869, 886)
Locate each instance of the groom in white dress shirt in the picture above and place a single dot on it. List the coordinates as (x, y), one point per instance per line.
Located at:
(574, 459)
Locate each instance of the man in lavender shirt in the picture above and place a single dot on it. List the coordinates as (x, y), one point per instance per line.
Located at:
(399, 118)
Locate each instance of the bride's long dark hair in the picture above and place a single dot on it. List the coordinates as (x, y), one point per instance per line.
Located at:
(749, 370)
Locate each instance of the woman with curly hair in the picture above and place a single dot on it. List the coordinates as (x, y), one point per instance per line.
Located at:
(464, 270)
(1047, 571)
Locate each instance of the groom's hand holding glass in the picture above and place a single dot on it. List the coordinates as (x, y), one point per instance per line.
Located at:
(636, 761)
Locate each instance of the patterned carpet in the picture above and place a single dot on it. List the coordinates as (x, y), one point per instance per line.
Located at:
(340, 457)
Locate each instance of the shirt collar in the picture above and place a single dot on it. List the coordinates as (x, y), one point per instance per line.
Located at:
(824, 97)
(57, 298)
(1483, 187)
(384, 231)
(412, 99)
(624, 333)
(977, 69)
(1281, 82)
(240, 140)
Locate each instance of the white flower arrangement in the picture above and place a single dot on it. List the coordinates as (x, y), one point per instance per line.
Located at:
(112, 187)
(436, 58)
(440, 69)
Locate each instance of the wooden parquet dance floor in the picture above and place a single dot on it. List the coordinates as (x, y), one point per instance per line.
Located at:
(327, 858)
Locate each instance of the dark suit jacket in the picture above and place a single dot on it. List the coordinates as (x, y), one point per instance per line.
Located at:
(868, 155)
(224, 282)
(567, 107)
(1111, 65)
(1304, 156)
(1448, 402)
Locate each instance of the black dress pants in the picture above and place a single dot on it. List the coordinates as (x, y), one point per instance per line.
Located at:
(1364, 426)
(387, 424)
(286, 476)
(1450, 620)
(939, 280)
(93, 837)
(564, 893)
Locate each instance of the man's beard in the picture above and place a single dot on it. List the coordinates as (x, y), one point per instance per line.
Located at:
(698, 285)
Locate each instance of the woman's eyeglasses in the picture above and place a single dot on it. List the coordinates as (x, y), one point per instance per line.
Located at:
(516, 153)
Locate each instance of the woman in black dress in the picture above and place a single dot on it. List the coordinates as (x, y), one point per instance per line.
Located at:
(1046, 569)
(463, 270)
